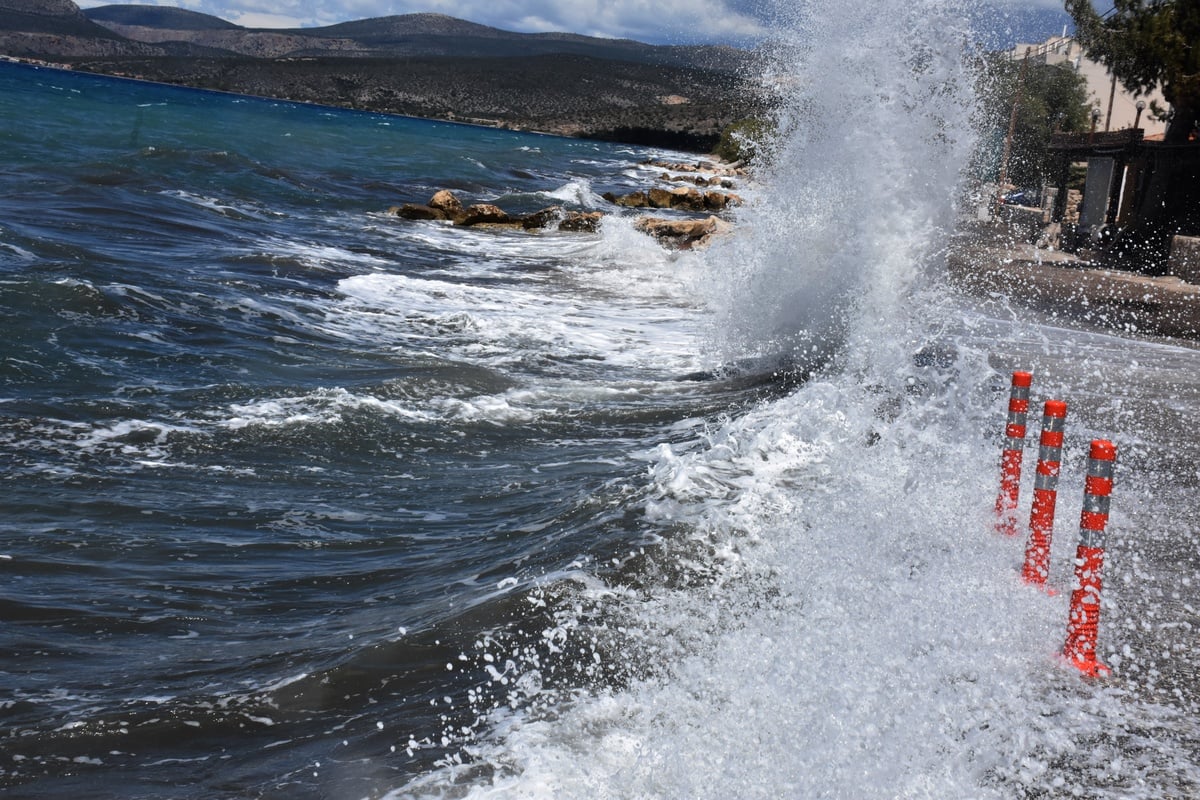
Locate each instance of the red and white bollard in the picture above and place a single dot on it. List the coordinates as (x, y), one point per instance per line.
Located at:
(1014, 450)
(1083, 619)
(1045, 494)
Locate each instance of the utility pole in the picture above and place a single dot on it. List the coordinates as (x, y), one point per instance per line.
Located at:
(1012, 128)
(1112, 93)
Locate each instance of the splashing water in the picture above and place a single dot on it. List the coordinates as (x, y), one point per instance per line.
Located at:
(828, 615)
(860, 185)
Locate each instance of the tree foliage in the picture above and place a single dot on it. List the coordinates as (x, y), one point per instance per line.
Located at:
(745, 140)
(1148, 43)
(1053, 97)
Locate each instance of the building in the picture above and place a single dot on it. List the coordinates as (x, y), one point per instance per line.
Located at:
(1118, 107)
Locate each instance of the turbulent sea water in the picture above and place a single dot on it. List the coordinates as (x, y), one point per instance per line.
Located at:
(301, 500)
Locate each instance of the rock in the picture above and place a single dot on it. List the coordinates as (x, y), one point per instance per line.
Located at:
(660, 198)
(484, 214)
(581, 221)
(687, 198)
(416, 211)
(633, 200)
(541, 219)
(734, 168)
(447, 203)
(683, 234)
(716, 201)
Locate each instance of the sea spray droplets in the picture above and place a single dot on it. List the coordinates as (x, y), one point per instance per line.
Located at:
(874, 132)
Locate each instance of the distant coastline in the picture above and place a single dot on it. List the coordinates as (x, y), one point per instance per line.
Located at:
(419, 65)
(40, 64)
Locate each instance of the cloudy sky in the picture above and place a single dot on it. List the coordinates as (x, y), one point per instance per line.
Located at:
(658, 21)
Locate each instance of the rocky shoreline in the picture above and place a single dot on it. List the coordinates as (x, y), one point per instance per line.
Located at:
(985, 261)
(548, 94)
(678, 233)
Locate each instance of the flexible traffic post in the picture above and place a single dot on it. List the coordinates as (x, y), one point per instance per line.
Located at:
(1045, 494)
(1083, 619)
(1014, 449)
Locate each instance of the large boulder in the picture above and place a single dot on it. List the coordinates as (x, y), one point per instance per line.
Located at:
(447, 203)
(633, 200)
(581, 221)
(484, 214)
(574, 221)
(716, 201)
(416, 211)
(683, 234)
(687, 198)
(542, 219)
(444, 205)
(660, 198)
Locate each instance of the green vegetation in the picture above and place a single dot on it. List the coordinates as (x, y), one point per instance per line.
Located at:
(745, 140)
(1053, 98)
(1148, 43)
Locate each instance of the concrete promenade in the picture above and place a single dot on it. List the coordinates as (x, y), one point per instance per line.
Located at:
(1059, 282)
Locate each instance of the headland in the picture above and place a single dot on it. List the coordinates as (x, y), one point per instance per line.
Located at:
(420, 65)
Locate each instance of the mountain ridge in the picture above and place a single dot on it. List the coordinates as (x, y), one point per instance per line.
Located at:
(167, 17)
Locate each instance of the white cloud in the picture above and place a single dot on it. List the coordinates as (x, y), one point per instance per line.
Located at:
(658, 21)
(646, 20)
(255, 19)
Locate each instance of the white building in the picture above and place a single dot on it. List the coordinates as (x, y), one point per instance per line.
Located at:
(1117, 106)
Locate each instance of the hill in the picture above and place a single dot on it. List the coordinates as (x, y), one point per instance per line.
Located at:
(160, 17)
(428, 65)
(401, 36)
(40, 28)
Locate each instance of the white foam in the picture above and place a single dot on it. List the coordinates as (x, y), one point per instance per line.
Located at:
(223, 207)
(847, 623)
(566, 316)
(576, 193)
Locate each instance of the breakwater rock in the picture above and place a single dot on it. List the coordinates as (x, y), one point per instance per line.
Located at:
(675, 233)
(445, 206)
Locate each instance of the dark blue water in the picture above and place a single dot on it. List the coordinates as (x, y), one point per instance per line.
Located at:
(257, 432)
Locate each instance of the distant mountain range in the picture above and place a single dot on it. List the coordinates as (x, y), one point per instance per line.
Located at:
(420, 64)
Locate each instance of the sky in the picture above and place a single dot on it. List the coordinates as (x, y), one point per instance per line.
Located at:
(737, 22)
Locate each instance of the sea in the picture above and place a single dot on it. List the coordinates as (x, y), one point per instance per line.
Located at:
(299, 499)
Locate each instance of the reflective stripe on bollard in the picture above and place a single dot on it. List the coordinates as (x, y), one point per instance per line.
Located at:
(1045, 494)
(1014, 448)
(1083, 619)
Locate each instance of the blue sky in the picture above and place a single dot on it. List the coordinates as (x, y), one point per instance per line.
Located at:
(658, 21)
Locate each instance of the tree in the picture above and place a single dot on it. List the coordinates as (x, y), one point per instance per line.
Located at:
(1148, 43)
(745, 140)
(1053, 98)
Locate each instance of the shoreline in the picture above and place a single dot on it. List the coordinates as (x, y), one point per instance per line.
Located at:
(281, 81)
(1060, 283)
(60, 67)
